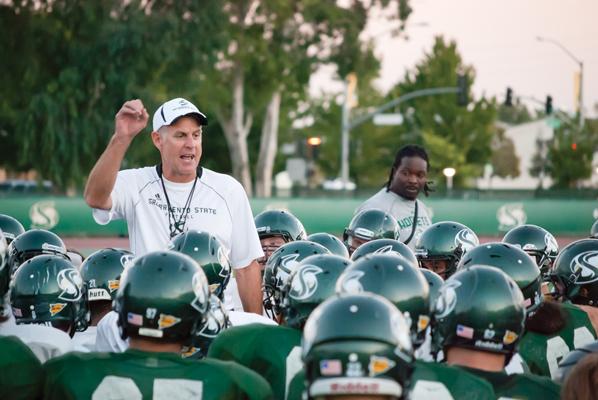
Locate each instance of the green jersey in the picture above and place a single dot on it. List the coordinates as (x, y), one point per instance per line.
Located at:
(274, 352)
(136, 375)
(297, 386)
(442, 381)
(428, 381)
(21, 375)
(520, 386)
(544, 352)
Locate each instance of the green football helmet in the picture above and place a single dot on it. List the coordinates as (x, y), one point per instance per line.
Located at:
(279, 267)
(216, 321)
(49, 290)
(4, 278)
(11, 227)
(101, 272)
(594, 230)
(357, 344)
(209, 253)
(34, 243)
(397, 280)
(445, 241)
(514, 262)
(535, 241)
(379, 246)
(279, 223)
(369, 225)
(435, 281)
(331, 242)
(163, 295)
(479, 308)
(312, 282)
(574, 274)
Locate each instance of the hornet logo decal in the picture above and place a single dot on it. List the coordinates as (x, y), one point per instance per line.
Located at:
(305, 282)
(126, 260)
(44, 215)
(510, 215)
(466, 239)
(447, 298)
(585, 266)
(349, 283)
(552, 247)
(70, 282)
(199, 283)
(384, 249)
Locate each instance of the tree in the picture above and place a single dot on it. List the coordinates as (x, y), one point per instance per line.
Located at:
(455, 136)
(504, 160)
(515, 114)
(274, 47)
(570, 153)
(78, 62)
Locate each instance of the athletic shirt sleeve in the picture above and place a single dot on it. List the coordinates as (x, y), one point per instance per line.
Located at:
(44, 341)
(124, 196)
(297, 386)
(85, 341)
(107, 335)
(245, 243)
(251, 385)
(22, 375)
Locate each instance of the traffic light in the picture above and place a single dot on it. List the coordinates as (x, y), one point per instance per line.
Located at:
(509, 97)
(314, 143)
(463, 89)
(548, 105)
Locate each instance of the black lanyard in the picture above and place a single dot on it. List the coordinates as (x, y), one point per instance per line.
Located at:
(175, 227)
(413, 225)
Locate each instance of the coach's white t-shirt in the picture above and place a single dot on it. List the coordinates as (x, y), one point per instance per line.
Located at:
(219, 206)
(403, 210)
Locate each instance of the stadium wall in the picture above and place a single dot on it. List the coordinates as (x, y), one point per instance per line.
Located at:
(573, 217)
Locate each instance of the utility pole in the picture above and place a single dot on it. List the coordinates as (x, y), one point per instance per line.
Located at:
(580, 79)
(350, 102)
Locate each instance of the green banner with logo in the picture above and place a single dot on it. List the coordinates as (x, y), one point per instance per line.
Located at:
(72, 217)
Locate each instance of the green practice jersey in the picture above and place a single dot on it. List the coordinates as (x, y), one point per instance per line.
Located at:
(136, 375)
(274, 352)
(520, 386)
(544, 352)
(428, 381)
(445, 382)
(21, 374)
(297, 386)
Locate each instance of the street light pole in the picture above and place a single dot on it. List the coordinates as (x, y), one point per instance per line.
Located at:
(348, 103)
(580, 64)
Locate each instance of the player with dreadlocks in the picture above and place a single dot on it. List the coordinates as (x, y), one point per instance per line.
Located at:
(408, 177)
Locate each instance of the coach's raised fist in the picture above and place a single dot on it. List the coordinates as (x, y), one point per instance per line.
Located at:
(131, 119)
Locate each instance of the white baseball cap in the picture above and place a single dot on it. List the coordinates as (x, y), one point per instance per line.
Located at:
(168, 112)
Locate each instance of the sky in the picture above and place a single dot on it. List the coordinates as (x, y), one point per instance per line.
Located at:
(499, 39)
